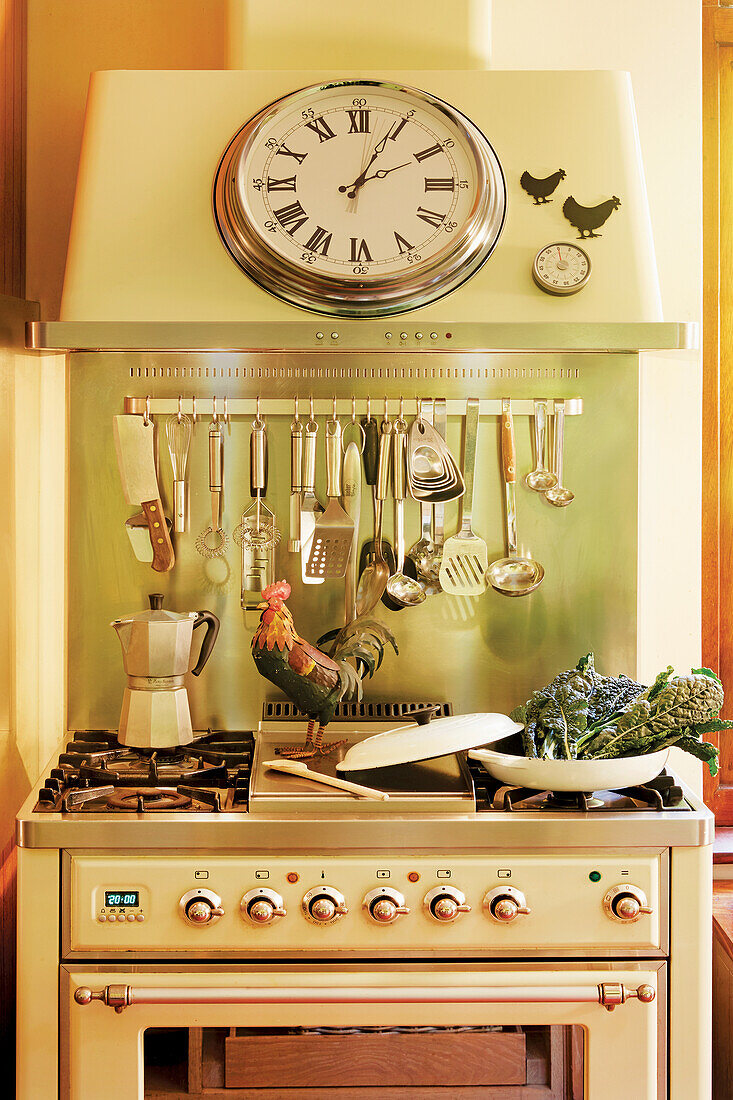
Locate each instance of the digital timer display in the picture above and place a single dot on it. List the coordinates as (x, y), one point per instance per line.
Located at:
(122, 897)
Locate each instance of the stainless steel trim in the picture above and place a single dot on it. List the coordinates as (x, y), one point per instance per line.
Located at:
(468, 833)
(477, 337)
(608, 994)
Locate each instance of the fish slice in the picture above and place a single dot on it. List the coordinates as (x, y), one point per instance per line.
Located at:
(296, 767)
(465, 556)
(334, 530)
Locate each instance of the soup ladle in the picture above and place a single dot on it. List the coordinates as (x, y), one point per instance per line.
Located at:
(512, 575)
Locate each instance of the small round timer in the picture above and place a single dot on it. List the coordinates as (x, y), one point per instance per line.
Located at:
(561, 268)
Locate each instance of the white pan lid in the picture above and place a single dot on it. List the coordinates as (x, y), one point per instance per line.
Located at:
(410, 743)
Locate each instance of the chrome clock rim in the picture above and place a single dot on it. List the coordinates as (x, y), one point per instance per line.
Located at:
(353, 297)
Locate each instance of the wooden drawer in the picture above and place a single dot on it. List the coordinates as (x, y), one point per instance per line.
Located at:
(376, 1059)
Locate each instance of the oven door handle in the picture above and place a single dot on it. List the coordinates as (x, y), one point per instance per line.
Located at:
(608, 994)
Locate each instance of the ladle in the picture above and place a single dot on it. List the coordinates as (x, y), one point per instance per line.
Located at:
(403, 589)
(373, 580)
(540, 479)
(558, 494)
(512, 576)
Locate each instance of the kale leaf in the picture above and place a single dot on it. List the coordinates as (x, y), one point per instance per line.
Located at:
(585, 715)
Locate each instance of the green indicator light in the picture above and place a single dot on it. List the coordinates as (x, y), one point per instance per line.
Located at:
(595, 876)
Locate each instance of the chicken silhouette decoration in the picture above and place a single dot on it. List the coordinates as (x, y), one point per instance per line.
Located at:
(315, 682)
(587, 218)
(540, 190)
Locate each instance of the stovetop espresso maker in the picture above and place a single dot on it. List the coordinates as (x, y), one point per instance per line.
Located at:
(156, 653)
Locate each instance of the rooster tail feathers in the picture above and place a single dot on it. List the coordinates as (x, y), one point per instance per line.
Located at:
(362, 642)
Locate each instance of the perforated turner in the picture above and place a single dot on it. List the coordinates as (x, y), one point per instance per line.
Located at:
(465, 557)
(334, 530)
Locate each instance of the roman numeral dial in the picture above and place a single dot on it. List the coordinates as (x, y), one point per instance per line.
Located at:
(359, 198)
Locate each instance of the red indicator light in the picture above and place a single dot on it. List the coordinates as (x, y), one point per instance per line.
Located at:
(292, 876)
(414, 876)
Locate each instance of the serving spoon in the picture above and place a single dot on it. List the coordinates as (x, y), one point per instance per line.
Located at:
(558, 494)
(403, 589)
(373, 580)
(513, 575)
(540, 479)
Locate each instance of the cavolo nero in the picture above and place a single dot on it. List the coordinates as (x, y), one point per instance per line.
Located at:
(583, 715)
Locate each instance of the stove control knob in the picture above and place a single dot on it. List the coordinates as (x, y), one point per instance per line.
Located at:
(324, 905)
(504, 903)
(626, 903)
(445, 903)
(262, 906)
(385, 905)
(201, 907)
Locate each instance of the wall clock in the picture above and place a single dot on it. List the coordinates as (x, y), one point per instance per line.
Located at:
(359, 198)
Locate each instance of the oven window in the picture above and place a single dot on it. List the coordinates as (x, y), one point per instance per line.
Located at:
(542, 1063)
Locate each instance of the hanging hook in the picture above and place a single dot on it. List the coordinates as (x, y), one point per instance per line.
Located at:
(214, 413)
(353, 408)
(194, 414)
(226, 409)
(333, 413)
(146, 417)
(311, 426)
(386, 410)
(369, 407)
(258, 423)
(180, 407)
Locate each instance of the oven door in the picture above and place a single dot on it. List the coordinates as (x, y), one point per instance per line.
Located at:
(336, 1031)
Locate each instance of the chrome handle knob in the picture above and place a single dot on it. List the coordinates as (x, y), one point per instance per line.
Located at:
(324, 905)
(322, 909)
(385, 905)
(626, 903)
(201, 907)
(446, 903)
(262, 906)
(505, 903)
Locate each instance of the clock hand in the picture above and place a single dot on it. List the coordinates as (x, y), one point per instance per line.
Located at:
(361, 179)
(376, 176)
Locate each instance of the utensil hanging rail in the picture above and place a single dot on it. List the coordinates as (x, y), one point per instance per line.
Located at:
(245, 406)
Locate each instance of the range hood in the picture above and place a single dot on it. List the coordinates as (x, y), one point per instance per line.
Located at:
(146, 268)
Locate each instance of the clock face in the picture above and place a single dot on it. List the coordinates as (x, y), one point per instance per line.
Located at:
(359, 198)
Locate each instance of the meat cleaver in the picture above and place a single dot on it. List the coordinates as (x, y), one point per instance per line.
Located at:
(134, 445)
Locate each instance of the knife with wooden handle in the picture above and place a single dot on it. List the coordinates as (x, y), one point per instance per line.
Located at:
(134, 446)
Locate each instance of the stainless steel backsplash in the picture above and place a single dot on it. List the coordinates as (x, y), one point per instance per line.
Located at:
(484, 653)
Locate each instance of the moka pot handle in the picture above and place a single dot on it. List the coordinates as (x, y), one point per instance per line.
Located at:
(212, 630)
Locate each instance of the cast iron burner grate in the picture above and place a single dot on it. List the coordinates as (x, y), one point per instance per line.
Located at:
(94, 762)
(658, 794)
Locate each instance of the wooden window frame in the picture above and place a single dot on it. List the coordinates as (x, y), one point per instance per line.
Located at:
(717, 438)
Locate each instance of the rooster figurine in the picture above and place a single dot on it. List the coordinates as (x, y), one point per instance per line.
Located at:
(315, 682)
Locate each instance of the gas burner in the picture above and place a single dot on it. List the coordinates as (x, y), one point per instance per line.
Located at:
(658, 794)
(147, 800)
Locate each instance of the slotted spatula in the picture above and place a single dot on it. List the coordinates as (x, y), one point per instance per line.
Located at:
(334, 530)
(465, 557)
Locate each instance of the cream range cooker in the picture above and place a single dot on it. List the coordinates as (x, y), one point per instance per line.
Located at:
(206, 927)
